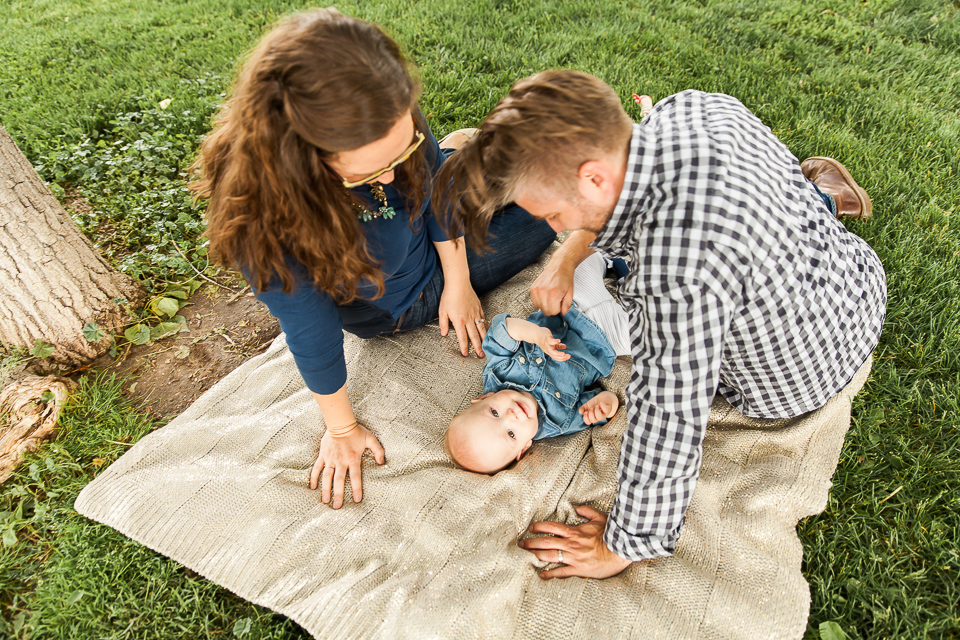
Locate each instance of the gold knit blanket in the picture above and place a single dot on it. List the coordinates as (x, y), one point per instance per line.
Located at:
(431, 550)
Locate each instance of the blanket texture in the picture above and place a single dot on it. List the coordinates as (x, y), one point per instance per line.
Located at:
(431, 550)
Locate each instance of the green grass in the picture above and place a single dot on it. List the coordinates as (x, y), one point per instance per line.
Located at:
(65, 577)
(875, 84)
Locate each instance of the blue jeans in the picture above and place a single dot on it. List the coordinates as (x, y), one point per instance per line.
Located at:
(827, 200)
(516, 238)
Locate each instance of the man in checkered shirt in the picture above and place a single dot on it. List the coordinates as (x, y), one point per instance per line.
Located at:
(743, 281)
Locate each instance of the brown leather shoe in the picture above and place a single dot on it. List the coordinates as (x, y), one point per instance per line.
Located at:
(832, 178)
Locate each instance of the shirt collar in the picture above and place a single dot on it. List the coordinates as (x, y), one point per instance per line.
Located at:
(635, 182)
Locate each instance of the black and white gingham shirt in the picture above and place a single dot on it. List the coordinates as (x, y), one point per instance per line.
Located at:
(742, 283)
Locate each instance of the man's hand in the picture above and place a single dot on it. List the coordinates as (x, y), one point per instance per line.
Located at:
(603, 405)
(340, 457)
(584, 552)
(552, 291)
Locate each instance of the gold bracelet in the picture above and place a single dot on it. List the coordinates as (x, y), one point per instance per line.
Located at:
(339, 432)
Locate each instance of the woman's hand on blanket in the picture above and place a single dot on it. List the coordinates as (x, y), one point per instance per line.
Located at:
(584, 552)
(603, 405)
(340, 457)
(460, 307)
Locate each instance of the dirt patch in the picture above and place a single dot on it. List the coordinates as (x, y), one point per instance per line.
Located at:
(227, 325)
(225, 328)
(75, 203)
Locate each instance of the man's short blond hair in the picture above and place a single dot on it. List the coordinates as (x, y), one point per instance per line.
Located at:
(537, 137)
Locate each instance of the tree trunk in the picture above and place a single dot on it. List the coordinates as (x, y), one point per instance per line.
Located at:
(52, 279)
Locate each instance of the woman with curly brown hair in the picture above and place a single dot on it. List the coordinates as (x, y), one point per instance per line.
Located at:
(318, 174)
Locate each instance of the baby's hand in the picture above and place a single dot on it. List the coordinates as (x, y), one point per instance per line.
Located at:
(551, 346)
(603, 405)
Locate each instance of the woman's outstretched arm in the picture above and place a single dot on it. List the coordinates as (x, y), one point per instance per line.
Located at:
(312, 325)
(341, 449)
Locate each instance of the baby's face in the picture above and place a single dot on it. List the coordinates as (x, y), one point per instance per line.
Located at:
(494, 431)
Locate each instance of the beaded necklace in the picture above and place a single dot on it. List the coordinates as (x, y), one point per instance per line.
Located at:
(383, 211)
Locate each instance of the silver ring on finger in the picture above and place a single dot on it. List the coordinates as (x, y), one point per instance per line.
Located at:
(560, 558)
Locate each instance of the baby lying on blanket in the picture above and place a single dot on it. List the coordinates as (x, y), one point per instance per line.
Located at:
(538, 375)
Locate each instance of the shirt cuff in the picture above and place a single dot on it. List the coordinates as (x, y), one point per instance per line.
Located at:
(497, 332)
(325, 380)
(639, 547)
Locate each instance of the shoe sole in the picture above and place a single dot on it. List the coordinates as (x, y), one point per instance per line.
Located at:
(866, 206)
(448, 139)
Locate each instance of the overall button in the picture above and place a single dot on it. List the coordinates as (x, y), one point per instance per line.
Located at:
(539, 360)
(522, 360)
(557, 394)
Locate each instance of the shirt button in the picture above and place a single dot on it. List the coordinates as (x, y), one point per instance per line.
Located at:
(523, 360)
(539, 360)
(557, 394)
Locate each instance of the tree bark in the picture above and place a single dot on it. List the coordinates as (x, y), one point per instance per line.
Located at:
(52, 279)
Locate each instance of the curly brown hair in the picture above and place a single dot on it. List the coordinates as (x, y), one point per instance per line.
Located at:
(538, 136)
(318, 84)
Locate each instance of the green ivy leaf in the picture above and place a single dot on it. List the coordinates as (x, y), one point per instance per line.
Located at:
(831, 631)
(46, 397)
(41, 349)
(113, 349)
(19, 621)
(75, 597)
(242, 627)
(164, 329)
(138, 334)
(93, 333)
(176, 293)
(180, 320)
(167, 307)
(9, 537)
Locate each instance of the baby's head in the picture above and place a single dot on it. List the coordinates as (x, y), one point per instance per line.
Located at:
(494, 431)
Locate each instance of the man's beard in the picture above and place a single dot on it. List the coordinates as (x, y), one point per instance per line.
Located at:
(595, 217)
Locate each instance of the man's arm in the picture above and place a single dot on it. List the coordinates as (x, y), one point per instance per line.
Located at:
(552, 291)
(676, 372)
